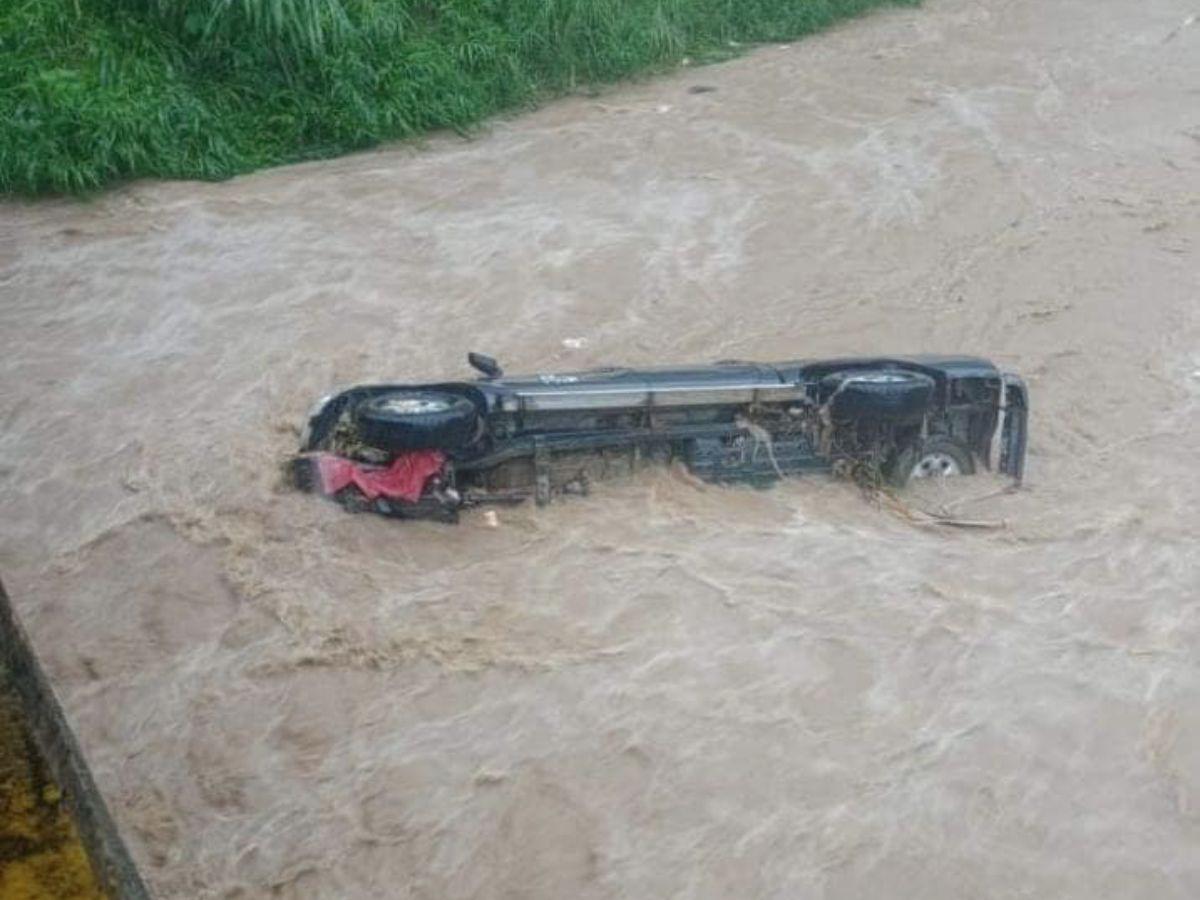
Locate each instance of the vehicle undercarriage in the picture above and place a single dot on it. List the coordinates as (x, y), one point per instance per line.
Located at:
(428, 451)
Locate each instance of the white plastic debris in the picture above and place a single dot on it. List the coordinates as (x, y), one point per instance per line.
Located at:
(574, 343)
(490, 519)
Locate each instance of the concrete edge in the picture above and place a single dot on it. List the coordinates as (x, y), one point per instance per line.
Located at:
(106, 849)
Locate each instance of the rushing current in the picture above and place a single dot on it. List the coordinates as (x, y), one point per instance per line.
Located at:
(665, 689)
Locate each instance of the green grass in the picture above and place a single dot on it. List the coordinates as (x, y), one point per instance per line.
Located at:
(97, 91)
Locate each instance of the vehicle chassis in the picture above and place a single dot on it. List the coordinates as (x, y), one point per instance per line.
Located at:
(545, 435)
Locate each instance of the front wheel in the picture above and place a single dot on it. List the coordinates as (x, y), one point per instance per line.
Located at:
(936, 457)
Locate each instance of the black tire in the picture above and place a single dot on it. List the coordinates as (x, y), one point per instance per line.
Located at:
(938, 456)
(417, 420)
(892, 395)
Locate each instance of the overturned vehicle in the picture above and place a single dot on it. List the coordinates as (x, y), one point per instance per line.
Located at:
(429, 450)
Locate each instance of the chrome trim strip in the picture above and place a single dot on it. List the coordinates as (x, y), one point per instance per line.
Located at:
(640, 395)
(551, 400)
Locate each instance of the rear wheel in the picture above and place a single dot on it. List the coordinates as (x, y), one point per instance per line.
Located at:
(417, 420)
(936, 457)
(892, 395)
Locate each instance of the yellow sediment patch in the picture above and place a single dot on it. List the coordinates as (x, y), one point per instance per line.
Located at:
(40, 853)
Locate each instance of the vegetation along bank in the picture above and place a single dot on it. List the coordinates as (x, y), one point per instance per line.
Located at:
(97, 91)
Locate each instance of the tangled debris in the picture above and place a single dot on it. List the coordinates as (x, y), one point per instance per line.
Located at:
(869, 477)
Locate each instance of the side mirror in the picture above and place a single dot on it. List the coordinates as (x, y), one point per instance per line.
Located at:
(485, 364)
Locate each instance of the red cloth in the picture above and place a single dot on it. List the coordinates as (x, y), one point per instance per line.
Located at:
(404, 479)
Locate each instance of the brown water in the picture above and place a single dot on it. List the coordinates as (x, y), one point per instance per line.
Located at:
(663, 690)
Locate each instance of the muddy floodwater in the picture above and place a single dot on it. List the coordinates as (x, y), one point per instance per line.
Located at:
(662, 690)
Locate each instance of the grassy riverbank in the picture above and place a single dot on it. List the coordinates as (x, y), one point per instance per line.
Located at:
(95, 91)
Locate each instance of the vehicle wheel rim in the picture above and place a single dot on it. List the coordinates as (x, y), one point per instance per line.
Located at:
(936, 465)
(413, 406)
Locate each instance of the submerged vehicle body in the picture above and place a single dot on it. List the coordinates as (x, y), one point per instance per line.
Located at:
(427, 451)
